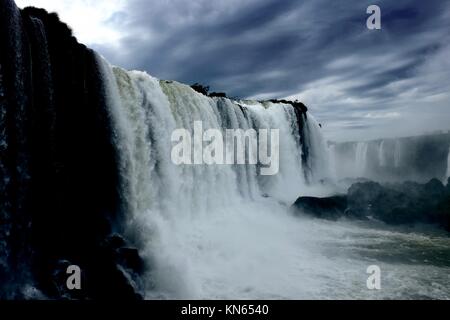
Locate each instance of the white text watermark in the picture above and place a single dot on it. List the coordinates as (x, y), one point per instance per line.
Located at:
(237, 147)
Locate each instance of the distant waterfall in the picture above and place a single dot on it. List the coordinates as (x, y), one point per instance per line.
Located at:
(361, 158)
(418, 158)
(397, 154)
(448, 165)
(381, 154)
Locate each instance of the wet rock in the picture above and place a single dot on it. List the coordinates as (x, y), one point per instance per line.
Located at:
(130, 259)
(326, 208)
(406, 203)
(396, 204)
(61, 199)
(218, 95)
(201, 88)
(296, 104)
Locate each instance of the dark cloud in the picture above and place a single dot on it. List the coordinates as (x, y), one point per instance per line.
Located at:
(317, 50)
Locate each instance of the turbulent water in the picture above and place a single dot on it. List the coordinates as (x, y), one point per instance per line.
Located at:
(226, 232)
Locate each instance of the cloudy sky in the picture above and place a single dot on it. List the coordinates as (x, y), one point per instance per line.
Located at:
(359, 83)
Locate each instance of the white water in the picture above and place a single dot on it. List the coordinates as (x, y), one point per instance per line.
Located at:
(207, 231)
(361, 158)
(319, 154)
(397, 154)
(381, 154)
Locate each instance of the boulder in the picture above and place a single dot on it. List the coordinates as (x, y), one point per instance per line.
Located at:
(395, 204)
(405, 203)
(330, 208)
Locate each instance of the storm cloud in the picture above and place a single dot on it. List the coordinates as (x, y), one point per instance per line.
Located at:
(358, 83)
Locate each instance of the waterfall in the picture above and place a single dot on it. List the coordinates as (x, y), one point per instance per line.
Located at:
(86, 169)
(333, 161)
(418, 158)
(319, 157)
(14, 151)
(361, 158)
(177, 213)
(381, 154)
(87, 179)
(146, 112)
(448, 166)
(397, 154)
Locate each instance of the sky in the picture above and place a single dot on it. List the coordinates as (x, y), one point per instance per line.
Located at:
(358, 83)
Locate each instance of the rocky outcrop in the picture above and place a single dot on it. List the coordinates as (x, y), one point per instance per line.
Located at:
(331, 208)
(204, 90)
(59, 184)
(296, 104)
(404, 203)
(396, 204)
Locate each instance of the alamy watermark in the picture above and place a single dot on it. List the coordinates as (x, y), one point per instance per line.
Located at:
(374, 280)
(237, 147)
(374, 20)
(74, 279)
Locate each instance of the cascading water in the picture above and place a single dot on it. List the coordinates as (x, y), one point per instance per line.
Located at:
(448, 166)
(318, 156)
(224, 231)
(381, 154)
(188, 216)
(419, 158)
(361, 158)
(397, 154)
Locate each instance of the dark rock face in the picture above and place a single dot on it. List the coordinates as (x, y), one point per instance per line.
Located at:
(402, 203)
(406, 203)
(218, 95)
(59, 185)
(330, 208)
(296, 104)
(204, 90)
